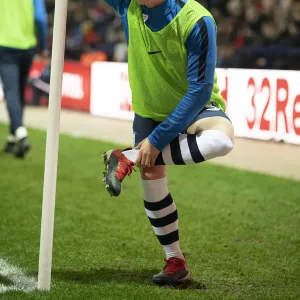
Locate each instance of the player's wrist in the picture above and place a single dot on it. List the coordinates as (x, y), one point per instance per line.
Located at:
(154, 142)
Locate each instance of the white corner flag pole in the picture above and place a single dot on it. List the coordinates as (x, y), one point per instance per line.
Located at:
(50, 175)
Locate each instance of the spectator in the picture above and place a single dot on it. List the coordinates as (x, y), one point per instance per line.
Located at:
(251, 33)
(17, 48)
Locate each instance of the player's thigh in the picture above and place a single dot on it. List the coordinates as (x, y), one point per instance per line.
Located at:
(26, 58)
(212, 119)
(9, 73)
(142, 128)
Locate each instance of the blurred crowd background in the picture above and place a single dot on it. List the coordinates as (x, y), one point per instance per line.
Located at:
(261, 34)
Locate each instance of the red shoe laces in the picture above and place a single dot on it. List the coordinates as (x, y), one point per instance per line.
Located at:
(173, 265)
(125, 167)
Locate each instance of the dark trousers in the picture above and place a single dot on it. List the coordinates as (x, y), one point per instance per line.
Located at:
(14, 69)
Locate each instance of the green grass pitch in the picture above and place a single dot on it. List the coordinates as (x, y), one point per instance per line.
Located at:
(240, 230)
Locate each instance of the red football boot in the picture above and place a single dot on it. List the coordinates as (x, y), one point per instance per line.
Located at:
(117, 167)
(174, 273)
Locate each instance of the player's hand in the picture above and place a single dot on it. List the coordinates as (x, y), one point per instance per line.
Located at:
(147, 154)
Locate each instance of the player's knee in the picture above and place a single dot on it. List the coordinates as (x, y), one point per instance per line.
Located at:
(226, 146)
(154, 173)
(223, 143)
(220, 144)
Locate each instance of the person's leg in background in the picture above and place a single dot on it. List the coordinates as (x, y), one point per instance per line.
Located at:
(25, 62)
(26, 59)
(10, 75)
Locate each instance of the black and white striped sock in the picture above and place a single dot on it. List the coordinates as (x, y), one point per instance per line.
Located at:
(162, 214)
(188, 149)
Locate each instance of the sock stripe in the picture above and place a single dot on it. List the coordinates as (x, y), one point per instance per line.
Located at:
(160, 161)
(161, 213)
(176, 152)
(155, 206)
(161, 222)
(166, 155)
(185, 149)
(169, 238)
(166, 229)
(195, 152)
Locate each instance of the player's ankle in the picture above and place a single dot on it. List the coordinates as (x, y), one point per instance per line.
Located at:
(21, 133)
(179, 255)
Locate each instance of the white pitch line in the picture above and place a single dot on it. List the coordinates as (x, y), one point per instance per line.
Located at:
(20, 281)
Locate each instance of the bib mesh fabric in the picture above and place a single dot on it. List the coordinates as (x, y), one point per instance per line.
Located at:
(158, 62)
(17, 29)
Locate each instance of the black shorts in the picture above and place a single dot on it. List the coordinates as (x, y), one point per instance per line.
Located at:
(143, 127)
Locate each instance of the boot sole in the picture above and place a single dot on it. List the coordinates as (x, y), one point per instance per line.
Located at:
(181, 282)
(106, 157)
(22, 151)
